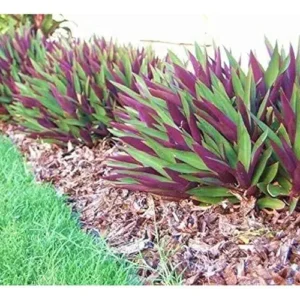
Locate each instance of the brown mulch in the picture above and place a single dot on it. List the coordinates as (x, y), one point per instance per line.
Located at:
(172, 242)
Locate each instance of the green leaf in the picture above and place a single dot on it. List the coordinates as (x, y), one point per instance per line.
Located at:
(140, 126)
(211, 200)
(131, 93)
(211, 145)
(285, 183)
(263, 105)
(258, 143)
(33, 125)
(248, 88)
(277, 190)
(201, 180)
(156, 177)
(127, 69)
(273, 69)
(296, 146)
(63, 125)
(200, 55)
(270, 173)
(233, 62)
(119, 164)
(143, 89)
(237, 85)
(81, 73)
(182, 168)
(174, 58)
(148, 160)
(220, 140)
(285, 64)
(269, 45)
(217, 99)
(272, 203)
(126, 180)
(4, 99)
(293, 204)
(100, 111)
(283, 133)
(271, 134)
(60, 86)
(260, 168)
(190, 158)
(263, 188)
(244, 144)
(210, 191)
(164, 116)
(76, 83)
(75, 122)
(161, 151)
(186, 101)
(294, 97)
(217, 83)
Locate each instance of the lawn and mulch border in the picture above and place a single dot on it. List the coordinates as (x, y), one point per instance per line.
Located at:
(172, 242)
(41, 242)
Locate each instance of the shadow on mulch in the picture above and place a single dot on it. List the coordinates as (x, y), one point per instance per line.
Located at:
(172, 242)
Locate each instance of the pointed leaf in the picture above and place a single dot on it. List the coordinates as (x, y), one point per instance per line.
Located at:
(272, 203)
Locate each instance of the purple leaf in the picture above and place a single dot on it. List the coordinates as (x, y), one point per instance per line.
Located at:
(124, 158)
(177, 116)
(167, 96)
(296, 181)
(286, 161)
(292, 66)
(124, 127)
(214, 163)
(137, 144)
(257, 73)
(187, 78)
(155, 86)
(289, 151)
(28, 101)
(64, 103)
(122, 115)
(289, 118)
(242, 176)
(218, 67)
(46, 123)
(255, 159)
(86, 136)
(176, 137)
(244, 112)
(223, 123)
(195, 131)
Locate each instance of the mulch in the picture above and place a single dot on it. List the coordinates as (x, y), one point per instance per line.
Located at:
(171, 242)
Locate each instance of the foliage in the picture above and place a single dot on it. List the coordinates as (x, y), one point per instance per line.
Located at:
(18, 51)
(213, 133)
(64, 92)
(43, 22)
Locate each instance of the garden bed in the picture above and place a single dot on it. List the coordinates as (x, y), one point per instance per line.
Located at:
(172, 242)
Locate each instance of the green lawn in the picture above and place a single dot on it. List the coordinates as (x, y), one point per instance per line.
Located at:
(40, 241)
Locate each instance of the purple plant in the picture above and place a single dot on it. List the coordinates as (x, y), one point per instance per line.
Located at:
(206, 133)
(69, 97)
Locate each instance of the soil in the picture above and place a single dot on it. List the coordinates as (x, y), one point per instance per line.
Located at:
(171, 242)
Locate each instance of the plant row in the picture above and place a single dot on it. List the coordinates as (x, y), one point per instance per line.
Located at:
(215, 132)
(61, 90)
(205, 129)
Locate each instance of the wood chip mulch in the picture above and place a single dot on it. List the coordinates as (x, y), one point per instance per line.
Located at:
(172, 242)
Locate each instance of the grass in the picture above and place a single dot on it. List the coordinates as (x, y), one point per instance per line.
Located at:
(41, 242)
